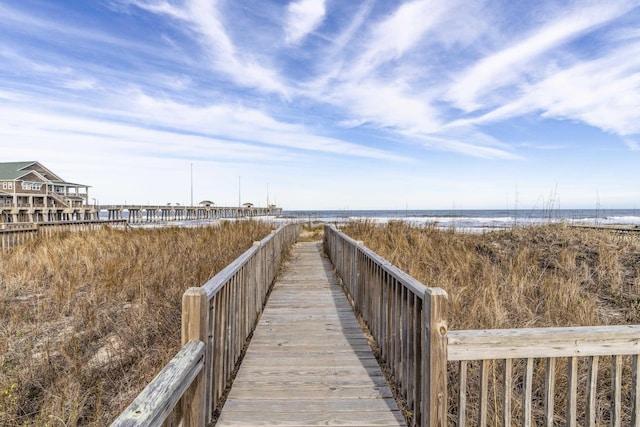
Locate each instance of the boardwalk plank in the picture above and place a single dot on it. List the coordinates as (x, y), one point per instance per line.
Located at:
(309, 362)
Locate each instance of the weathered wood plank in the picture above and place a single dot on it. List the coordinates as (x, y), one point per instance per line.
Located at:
(311, 404)
(572, 391)
(484, 392)
(543, 342)
(277, 391)
(635, 391)
(309, 362)
(616, 391)
(549, 391)
(462, 397)
(592, 389)
(310, 380)
(306, 418)
(161, 395)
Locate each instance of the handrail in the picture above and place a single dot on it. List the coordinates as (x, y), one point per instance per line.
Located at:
(411, 331)
(213, 285)
(406, 319)
(523, 343)
(158, 399)
(222, 314)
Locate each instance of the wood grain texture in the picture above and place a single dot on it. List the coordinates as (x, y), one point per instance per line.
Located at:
(160, 396)
(544, 342)
(309, 362)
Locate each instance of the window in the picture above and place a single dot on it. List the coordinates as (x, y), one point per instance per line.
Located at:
(5, 185)
(26, 185)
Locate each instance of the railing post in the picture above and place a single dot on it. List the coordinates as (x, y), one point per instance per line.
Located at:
(258, 285)
(195, 320)
(355, 288)
(434, 358)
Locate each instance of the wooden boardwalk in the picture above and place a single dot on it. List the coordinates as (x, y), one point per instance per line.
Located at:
(309, 363)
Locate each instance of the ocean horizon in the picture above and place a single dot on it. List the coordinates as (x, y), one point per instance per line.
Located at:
(472, 218)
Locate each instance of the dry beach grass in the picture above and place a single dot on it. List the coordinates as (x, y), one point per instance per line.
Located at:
(88, 319)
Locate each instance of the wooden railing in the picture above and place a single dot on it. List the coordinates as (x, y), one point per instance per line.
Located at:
(16, 235)
(13, 234)
(428, 363)
(159, 398)
(504, 360)
(406, 319)
(221, 315)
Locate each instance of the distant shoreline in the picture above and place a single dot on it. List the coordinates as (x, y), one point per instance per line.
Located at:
(473, 218)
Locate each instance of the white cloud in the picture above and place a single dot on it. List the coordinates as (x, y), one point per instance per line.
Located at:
(632, 144)
(237, 123)
(506, 67)
(159, 7)
(602, 93)
(385, 104)
(303, 17)
(243, 68)
(204, 19)
(80, 84)
(467, 141)
(398, 34)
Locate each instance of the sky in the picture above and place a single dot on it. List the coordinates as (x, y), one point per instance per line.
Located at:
(328, 104)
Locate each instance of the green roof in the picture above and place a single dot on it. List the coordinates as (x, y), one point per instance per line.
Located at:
(15, 170)
(12, 170)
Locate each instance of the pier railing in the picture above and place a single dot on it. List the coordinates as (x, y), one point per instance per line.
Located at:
(217, 319)
(461, 377)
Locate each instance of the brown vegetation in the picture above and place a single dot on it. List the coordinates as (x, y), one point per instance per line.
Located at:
(551, 275)
(311, 233)
(88, 319)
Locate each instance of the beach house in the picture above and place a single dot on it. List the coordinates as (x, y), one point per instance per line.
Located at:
(30, 192)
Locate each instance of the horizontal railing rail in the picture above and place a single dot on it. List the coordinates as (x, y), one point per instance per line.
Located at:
(159, 398)
(222, 314)
(544, 342)
(16, 226)
(428, 363)
(406, 319)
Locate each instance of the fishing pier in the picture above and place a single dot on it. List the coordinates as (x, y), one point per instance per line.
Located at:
(157, 213)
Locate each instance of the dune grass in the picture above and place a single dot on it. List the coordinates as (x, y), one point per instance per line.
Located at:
(551, 275)
(88, 319)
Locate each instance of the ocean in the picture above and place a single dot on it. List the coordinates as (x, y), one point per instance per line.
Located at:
(473, 219)
(469, 220)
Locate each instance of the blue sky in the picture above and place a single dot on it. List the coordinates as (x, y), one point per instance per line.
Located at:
(328, 104)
